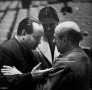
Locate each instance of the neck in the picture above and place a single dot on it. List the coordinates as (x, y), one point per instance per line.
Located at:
(71, 49)
(46, 38)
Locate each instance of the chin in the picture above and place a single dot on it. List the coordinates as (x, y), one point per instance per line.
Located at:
(34, 48)
(60, 51)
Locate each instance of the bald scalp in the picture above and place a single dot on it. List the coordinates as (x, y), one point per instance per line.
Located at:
(69, 29)
(66, 26)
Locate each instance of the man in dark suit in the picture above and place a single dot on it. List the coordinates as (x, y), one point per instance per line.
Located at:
(17, 61)
(71, 71)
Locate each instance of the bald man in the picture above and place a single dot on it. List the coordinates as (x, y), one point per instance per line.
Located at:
(70, 71)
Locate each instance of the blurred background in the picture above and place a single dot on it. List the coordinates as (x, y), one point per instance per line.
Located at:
(13, 11)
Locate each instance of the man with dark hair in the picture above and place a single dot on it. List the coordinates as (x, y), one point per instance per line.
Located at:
(71, 71)
(48, 12)
(47, 49)
(17, 60)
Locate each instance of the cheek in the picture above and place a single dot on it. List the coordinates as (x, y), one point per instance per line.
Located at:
(58, 44)
(29, 40)
(32, 41)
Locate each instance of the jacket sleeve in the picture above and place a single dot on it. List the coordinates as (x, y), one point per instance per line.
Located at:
(73, 75)
(11, 80)
(61, 76)
(17, 79)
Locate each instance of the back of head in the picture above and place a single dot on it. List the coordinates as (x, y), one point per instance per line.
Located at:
(27, 25)
(71, 30)
(48, 12)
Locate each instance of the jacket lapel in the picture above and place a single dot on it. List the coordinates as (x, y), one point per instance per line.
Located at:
(56, 53)
(17, 50)
(45, 49)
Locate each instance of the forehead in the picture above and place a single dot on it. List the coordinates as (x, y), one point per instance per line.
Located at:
(48, 20)
(57, 33)
(38, 29)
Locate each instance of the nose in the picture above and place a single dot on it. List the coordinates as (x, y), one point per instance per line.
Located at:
(48, 27)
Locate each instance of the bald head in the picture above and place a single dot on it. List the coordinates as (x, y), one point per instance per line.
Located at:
(67, 25)
(69, 29)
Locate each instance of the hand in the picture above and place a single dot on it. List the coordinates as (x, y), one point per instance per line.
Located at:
(37, 73)
(8, 70)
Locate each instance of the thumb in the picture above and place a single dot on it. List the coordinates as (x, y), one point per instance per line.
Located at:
(37, 66)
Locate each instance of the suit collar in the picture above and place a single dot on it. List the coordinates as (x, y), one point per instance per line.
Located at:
(45, 49)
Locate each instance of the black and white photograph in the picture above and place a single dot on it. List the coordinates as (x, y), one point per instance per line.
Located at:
(45, 44)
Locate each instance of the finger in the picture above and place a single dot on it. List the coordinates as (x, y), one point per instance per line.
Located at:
(46, 70)
(5, 69)
(7, 74)
(13, 67)
(37, 66)
(5, 66)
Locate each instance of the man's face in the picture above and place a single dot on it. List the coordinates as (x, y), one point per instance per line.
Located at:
(32, 40)
(49, 25)
(60, 43)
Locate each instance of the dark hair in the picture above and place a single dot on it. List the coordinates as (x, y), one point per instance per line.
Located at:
(26, 24)
(73, 35)
(48, 12)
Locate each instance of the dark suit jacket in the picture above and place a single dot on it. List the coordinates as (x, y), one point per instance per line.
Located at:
(12, 53)
(71, 72)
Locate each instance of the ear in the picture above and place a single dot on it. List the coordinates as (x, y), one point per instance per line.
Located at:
(23, 34)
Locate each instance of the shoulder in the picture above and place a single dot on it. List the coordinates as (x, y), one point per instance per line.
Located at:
(7, 48)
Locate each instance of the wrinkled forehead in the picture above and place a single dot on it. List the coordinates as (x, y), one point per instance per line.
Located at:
(38, 28)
